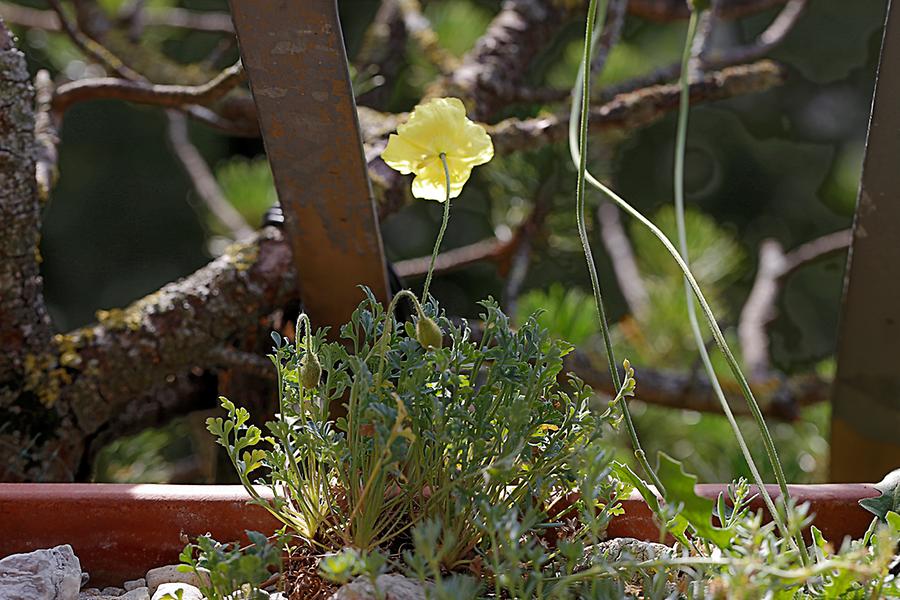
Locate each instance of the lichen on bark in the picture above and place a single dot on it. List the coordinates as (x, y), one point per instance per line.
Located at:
(60, 391)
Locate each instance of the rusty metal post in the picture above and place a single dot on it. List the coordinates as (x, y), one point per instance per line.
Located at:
(294, 55)
(865, 425)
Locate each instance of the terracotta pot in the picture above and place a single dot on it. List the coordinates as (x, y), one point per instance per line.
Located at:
(120, 531)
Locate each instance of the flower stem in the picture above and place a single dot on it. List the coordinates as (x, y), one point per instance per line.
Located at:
(302, 319)
(585, 244)
(689, 278)
(678, 177)
(440, 236)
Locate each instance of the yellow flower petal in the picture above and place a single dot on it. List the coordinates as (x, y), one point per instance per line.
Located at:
(474, 146)
(437, 127)
(431, 181)
(403, 155)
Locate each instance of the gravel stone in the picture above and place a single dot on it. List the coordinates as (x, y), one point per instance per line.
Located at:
(169, 590)
(134, 584)
(138, 593)
(392, 587)
(112, 591)
(171, 574)
(51, 574)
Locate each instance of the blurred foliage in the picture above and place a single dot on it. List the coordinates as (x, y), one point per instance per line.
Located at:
(783, 164)
(248, 185)
(567, 313)
(151, 456)
(662, 339)
(663, 336)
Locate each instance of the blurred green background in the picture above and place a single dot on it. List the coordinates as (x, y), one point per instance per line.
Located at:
(783, 164)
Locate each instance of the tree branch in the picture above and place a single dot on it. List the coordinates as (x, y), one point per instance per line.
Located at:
(46, 136)
(673, 10)
(779, 398)
(154, 16)
(420, 30)
(760, 307)
(774, 34)
(144, 92)
(24, 322)
(615, 20)
(61, 396)
(637, 109)
(202, 178)
(25, 16)
(621, 255)
(496, 66)
(82, 381)
(91, 48)
(182, 18)
(491, 249)
(135, 87)
(383, 51)
(765, 43)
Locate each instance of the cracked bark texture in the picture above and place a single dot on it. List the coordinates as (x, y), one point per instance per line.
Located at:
(107, 375)
(58, 393)
(23, 317)
(494, 69)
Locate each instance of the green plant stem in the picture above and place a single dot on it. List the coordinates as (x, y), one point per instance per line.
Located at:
(440, 236)
(691, 281)
(585, 93)
(678, 177)
(383, 341)
(302, 318)
(789, 576)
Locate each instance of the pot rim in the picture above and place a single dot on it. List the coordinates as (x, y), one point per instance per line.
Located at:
(119, 531)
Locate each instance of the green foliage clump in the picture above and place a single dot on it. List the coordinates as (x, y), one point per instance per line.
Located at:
(482, 423)
(473, 469)
(229, 572)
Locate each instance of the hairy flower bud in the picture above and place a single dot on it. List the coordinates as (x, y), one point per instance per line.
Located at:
(310, 371)
(428, 333)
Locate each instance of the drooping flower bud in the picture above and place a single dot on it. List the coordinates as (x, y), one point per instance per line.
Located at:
(428, 333)
(310, 371)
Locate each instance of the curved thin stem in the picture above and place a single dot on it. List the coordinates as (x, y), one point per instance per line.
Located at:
(440, 236)
(302, 318)
(585, 93)
(383, 343)
(692, 284)
(678, 177)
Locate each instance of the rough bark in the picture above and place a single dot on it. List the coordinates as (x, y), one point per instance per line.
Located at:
(23, 317)
(495, 68)
(107, 375)
(630, 111)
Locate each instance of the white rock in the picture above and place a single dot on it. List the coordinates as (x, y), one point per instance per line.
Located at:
(138, 593)
(392, 587)
(134, 584)
(169, 591)
(619, 548)
(171, 574)
(53, 574)
(112, 591)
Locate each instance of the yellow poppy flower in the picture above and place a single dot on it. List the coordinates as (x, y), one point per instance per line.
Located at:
(439, 126)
